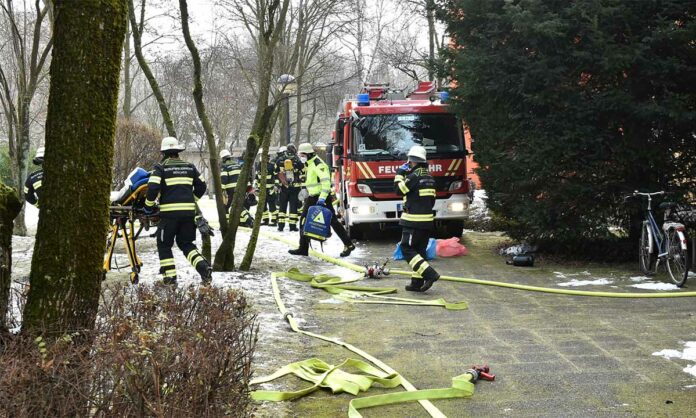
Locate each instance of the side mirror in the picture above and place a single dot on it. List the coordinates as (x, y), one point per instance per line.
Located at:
(338, 150)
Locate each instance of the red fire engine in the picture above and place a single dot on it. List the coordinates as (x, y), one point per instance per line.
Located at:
(374, 132)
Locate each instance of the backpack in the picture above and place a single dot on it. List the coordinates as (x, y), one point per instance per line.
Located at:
(317, 224)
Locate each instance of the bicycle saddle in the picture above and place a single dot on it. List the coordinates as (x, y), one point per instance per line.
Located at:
(667, 205)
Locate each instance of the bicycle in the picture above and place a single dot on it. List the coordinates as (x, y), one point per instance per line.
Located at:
(668, 245)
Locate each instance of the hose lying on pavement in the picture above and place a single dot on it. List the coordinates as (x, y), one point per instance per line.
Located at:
(568, 292)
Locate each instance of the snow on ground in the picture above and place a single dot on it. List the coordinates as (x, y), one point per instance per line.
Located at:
(639, 282)
(689, 353)
(578, 283)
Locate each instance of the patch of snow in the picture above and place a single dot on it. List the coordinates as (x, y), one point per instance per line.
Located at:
(689, 353)
(331, 301)
(668, 353)
(577, 283)
(639, 278)
(655, 286)
(518, 249)
(689, 386)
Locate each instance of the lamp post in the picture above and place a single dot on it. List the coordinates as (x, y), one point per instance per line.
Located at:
(287, 86)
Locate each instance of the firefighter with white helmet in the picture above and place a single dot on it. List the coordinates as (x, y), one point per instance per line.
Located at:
(178, 185)
(32, 185)
(417, 186)
(318, 184)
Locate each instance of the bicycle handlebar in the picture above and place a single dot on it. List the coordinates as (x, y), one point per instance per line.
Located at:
(637, 193)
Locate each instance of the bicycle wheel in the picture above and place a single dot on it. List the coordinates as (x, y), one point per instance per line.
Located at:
(677, 258)
(646, 259)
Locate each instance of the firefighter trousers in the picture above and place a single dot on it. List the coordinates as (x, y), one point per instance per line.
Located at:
(270, 213)
(414, 243)
(245, 218)
(183, 231)
(336, 225)
(288, 200)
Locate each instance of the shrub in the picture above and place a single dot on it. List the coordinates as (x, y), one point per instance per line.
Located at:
(154, 352)
(135, 145)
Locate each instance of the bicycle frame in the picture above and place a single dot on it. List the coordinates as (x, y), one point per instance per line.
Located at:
(657, 236)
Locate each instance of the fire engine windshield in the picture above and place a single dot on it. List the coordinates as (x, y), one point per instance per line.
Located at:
(389, 137)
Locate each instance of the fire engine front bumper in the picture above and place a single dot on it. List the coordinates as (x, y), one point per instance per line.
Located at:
(362, 210)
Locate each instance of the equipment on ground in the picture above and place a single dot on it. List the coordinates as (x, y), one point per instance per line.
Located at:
(430, 251)
(374, 132)
(376, 271)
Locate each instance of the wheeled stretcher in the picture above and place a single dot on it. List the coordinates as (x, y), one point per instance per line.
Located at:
(126, 208)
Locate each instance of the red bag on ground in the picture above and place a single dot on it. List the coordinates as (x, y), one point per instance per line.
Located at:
(450, 247)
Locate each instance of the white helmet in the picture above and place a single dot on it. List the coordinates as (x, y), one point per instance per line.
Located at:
(305, 148)
(225, 154)
(40, 152)
(282, 149)
(417, 154)
(170, 143)
(260, 151)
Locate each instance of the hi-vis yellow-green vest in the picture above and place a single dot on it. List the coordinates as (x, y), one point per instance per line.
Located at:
(318, 181)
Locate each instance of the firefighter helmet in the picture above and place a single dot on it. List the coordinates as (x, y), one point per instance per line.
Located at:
(40, 152)
(417, 154)
(224, 154)
(170, 143)
(306, 148)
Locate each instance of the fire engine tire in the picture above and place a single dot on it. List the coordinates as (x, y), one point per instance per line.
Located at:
(450, 229)
(356, 231)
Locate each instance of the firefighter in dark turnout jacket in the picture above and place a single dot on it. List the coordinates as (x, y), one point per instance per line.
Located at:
(270, 212)
(178, 185)
(229, 177)
(289, 171)
(32, 185)
(417, 186)
(318, 184)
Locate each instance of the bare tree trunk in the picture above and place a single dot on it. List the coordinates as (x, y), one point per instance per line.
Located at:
(127, 82)
(137, 46)
(9, 207)
(66, 268)
(432, 35)
(263, 195)
(298, 106)
(203, 116)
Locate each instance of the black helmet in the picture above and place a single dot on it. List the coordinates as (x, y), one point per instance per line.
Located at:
(292, 149)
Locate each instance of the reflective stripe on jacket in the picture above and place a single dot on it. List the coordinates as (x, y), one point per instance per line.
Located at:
(178, 185)
(318, 181)
(418, 189)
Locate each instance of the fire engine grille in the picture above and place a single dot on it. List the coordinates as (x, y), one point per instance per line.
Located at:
(442, 184)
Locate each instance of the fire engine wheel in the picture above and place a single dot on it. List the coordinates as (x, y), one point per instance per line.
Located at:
(356, 231)
(450, 229)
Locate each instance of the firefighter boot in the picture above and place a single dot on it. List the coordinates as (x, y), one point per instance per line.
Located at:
(303, 249)
(347, 250)
(169, 281)
(207, 276)
(429, 283)
(293, 228)
(416, 284)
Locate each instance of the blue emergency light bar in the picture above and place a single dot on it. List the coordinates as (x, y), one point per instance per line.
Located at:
(364, 99)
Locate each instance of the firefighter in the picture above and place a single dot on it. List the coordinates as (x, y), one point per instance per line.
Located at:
(33, 182)
(270, 215)
(229, 177)
(288, 170)
(417, 186)
(178, 185)
(318, 186)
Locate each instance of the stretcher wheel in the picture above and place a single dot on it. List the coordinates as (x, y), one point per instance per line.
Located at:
(134, 278)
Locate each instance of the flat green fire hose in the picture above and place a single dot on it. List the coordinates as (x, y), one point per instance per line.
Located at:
(342, 290)
(569, 292)
(460, 389)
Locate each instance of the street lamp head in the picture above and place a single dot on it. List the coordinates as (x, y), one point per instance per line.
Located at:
(286, 79)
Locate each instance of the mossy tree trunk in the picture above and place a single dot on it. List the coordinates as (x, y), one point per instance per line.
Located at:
(66, 268)
(267, 27)
(9, 208)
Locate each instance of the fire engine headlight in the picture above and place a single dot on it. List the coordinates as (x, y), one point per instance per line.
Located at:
(364, 188)
(457, 184)
(363, 210)
(456, 207)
